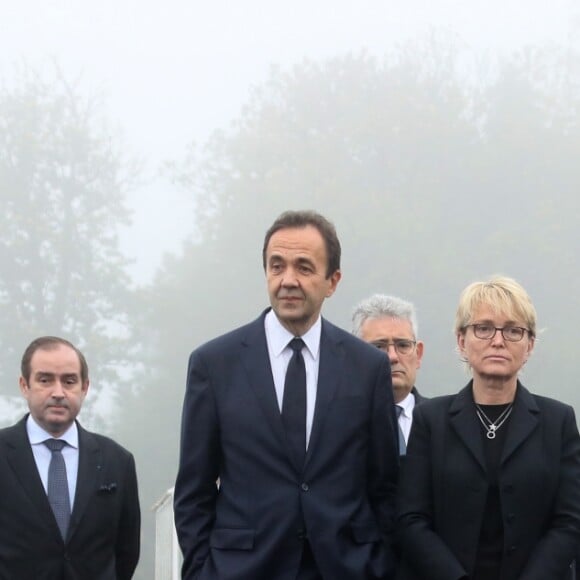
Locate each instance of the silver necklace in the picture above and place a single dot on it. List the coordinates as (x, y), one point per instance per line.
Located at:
(492, 426)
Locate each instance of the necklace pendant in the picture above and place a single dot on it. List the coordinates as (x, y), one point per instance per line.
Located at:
(489, 426)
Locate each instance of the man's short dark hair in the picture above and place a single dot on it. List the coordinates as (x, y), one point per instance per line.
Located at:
(302, 219)
(50, 343)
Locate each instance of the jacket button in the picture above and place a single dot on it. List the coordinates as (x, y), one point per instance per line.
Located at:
(301, 533)
(304, 487)
(510, 518)
(509, 488)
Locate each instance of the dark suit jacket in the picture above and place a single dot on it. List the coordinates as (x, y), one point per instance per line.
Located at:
(103, 536)
(418, 397)
(342, 498)
(443, 490)
(418, 400)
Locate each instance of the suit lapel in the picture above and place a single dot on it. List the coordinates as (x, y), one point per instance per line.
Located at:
(21, 460)
(330, 371)
(89, 477)
(256, 361)
(418, 397)
(465, 423)
(522, 423)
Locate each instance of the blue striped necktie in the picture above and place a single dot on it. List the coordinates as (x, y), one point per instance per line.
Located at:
(57, 492)
(402, 444)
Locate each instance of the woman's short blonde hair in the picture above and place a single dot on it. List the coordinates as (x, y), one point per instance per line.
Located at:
(503, 295)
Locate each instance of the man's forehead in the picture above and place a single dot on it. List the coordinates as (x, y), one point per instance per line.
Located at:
(52, 373)
(296, 237)
(305, 242)
(62, 355)
(387, 326)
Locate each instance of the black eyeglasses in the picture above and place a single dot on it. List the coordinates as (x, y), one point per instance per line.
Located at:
(486, 331)
(403, 346)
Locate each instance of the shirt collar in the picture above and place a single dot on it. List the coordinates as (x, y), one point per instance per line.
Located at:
(280, 336)
(36, 434)
(407, 404)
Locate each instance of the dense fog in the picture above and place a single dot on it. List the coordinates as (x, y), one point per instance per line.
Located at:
(145, 149)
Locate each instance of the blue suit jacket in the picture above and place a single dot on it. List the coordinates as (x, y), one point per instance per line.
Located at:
(342, 498)
(103, 536)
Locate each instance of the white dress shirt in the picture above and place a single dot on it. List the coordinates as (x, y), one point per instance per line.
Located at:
(280, 354)
(42, 454)
(406, 416)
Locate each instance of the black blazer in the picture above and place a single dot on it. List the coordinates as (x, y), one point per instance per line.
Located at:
(103, 536)
(443, 489)
(419, 398)
(342, 498)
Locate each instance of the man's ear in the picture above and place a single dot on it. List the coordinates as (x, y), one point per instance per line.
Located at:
(419, 349)
(334, 280)
(24, 388)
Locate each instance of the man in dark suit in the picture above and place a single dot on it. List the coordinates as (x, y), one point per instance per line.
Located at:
(310, 500)
(69, 508)
(390, 324)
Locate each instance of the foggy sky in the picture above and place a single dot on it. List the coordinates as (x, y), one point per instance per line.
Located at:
(173, 72)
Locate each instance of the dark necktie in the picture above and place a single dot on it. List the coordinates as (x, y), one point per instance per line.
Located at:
(58, 485)
(402, 444)
(294, 402)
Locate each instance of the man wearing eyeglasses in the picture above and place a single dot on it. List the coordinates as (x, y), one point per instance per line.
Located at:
(390, 324)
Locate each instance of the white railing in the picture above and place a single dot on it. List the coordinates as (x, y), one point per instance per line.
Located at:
(167, 552)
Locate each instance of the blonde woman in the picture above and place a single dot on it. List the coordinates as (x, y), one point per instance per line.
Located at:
(490, 487)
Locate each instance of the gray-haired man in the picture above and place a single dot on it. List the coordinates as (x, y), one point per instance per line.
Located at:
(390, 324)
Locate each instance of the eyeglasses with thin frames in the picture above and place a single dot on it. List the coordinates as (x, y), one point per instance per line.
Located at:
(486, 331)
(402, 346)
